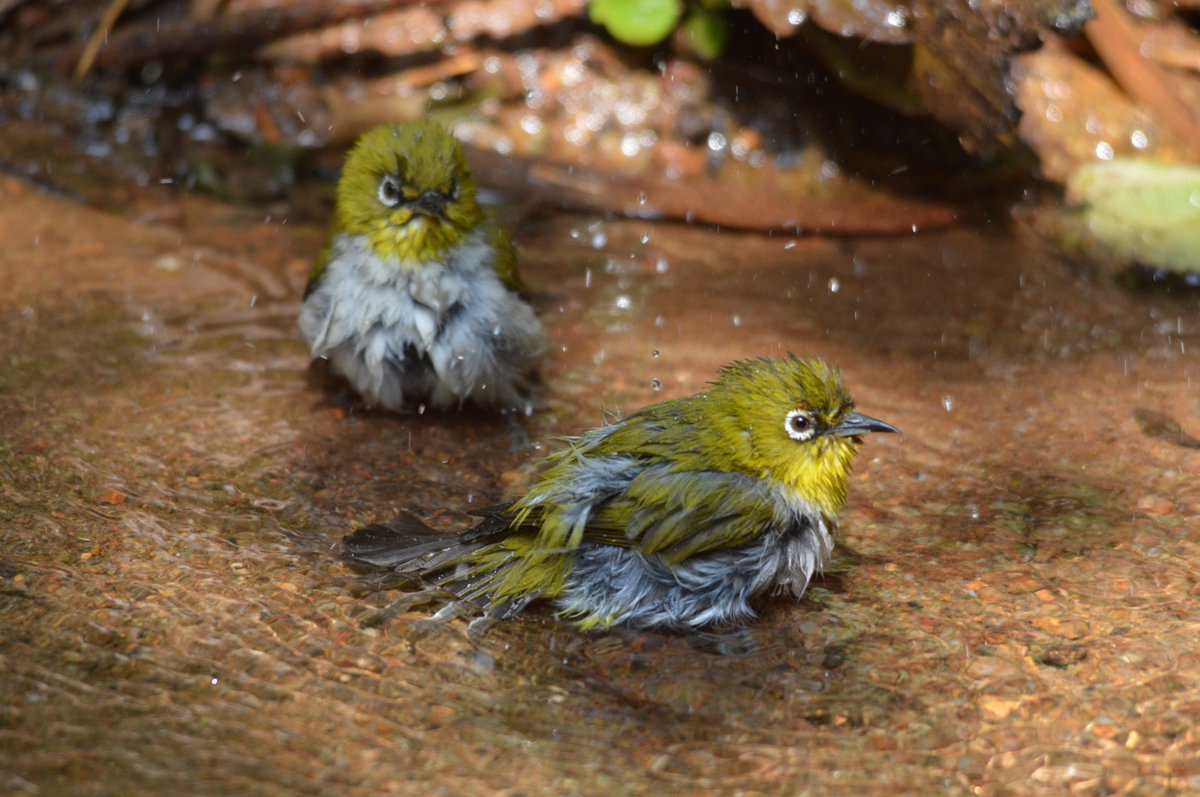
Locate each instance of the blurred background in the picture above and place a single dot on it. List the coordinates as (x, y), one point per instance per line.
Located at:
(835, 117)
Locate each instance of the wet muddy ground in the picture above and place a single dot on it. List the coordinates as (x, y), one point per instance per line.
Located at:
(1015, 606)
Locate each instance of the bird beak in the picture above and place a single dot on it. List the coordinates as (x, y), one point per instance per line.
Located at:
(855, 424)
(430, 203)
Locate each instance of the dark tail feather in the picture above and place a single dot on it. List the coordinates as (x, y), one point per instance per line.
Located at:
(408, 546)
(407, 553)
(393, 543)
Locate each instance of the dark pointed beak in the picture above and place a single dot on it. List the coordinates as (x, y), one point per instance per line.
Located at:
(854, 424)
(430, 203)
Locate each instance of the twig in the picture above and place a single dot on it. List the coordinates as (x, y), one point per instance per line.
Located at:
(1119, 45)
(202, 36)
(99, 37)
(766, 206)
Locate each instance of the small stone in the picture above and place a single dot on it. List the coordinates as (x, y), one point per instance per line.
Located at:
(1103, 728)
(440, 715)
(512, 477)
(882, 741)
(998, 707)
(1156, 505)
(169, 262)
(1064, 629)
(112, 498)
(1022, 583)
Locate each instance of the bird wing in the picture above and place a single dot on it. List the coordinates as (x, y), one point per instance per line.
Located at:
(506, 255)
(678, 514)
(318, 267)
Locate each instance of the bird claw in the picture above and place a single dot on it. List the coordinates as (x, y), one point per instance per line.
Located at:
(478, 628)
(439, 619)
(397, 607)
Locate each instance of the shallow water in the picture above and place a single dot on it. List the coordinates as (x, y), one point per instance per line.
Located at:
(1014, 606)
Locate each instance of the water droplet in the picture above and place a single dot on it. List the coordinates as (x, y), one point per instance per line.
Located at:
(654, 353)
(948, 402)
(1104, 151)
(1139, 139)
(599, 240)
(796, 17)
(645, 238)
(623, 302)
(737, 320)
(531, 124)
(717, 142)
(655, 384)
(641, 197)
(661, 265)
(587, 278)
(834, 285)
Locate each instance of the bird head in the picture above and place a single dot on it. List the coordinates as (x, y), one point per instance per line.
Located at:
(789, 421)
(408, 189)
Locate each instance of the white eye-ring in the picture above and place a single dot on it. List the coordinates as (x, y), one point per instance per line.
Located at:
(799, 425)
(389, 191)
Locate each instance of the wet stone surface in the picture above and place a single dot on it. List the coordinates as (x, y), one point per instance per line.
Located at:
(1013, 607)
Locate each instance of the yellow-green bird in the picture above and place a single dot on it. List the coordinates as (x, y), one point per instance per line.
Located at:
(678, 516)
(414, 298)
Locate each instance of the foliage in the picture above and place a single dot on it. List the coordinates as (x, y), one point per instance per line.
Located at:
(637, 22)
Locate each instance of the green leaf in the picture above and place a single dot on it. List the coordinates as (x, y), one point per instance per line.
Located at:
(1147, 211)
(707, 33)
(636, 22)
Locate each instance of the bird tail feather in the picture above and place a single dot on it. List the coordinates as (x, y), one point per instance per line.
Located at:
(405, 550)
(406, 545)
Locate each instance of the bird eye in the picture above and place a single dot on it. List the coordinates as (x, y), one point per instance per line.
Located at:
(799, 425)
(389, 191)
